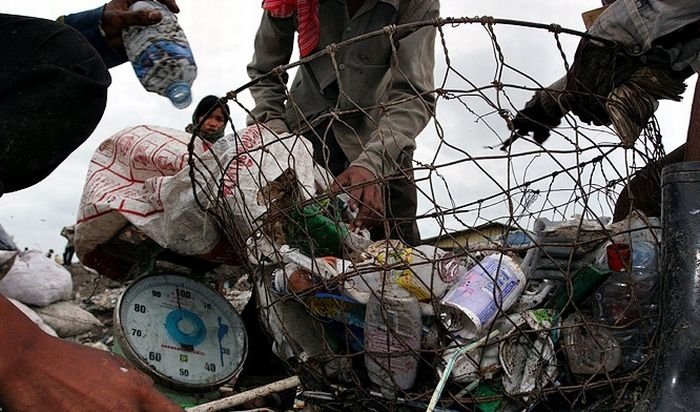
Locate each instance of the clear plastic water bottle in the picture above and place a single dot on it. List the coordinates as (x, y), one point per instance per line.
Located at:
(161, 55)
(627, 300)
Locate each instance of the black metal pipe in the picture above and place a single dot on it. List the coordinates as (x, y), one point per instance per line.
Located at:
(675, 385)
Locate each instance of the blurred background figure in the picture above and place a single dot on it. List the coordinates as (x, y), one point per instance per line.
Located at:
(69, 233)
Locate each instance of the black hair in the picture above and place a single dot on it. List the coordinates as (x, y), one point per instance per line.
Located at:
(206, 104)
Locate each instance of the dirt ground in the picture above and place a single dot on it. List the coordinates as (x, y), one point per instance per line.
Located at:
(98, 295)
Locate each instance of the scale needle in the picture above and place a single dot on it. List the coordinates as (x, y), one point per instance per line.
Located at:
(223, 330)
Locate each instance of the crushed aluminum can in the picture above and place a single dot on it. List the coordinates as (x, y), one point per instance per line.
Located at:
(484, 292)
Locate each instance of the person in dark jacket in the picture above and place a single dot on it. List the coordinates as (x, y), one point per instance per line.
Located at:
(53, 92)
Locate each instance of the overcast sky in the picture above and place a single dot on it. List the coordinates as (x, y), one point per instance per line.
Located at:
(221, 36)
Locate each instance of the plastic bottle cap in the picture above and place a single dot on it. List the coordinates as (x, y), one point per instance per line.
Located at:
(179, 94)
(619, 256)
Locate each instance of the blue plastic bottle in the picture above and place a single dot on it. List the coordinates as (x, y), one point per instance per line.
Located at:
(161, 55)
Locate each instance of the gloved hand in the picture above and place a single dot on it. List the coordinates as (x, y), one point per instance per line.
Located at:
(541, 114)
(597, 69)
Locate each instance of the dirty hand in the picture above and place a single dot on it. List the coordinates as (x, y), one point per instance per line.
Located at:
(117, 16)
(365, 195)
(65, 376)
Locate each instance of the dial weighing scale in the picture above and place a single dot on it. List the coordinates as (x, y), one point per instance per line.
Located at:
(180, 332)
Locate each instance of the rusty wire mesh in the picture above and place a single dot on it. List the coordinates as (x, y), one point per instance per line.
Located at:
(557, 354)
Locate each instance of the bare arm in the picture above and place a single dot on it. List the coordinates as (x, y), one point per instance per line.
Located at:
(37, 370)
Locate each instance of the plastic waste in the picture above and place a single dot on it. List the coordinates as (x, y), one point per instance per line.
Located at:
(425, 271)
(343, 317)
(291, 279)
(327, 267)
(528, 360)
(535, 294)
(583, 283)
(487, 290)
(318, 229)
(161, 55)
(392, 339)
(565, 247)
(627, 300)
(590, 348)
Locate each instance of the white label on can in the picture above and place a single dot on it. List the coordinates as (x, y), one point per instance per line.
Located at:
(476, 295)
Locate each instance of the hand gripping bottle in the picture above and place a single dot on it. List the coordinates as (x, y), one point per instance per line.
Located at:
(161, 55)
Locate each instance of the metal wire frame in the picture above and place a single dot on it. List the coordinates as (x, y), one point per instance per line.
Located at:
(581, 171)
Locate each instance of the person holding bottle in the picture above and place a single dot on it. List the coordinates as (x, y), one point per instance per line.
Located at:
(53, 92)
(362, 107)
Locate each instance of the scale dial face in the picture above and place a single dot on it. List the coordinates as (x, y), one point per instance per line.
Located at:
(181, 332)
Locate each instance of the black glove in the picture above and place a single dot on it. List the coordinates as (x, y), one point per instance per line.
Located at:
(597, 69)
(541, 114)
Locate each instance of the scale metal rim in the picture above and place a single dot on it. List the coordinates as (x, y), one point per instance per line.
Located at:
(140, 363)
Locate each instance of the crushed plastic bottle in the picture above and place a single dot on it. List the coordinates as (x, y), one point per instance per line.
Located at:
(627, 300)
(161, 55)
(317, 229)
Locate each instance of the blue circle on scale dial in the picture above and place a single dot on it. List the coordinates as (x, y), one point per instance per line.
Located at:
(185, 327)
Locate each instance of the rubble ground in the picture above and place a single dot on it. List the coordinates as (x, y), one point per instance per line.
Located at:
(98, 295)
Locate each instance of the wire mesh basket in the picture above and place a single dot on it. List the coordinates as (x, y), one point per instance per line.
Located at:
(523, 294)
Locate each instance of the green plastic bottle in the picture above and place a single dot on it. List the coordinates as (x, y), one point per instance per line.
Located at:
(317, 229)
(583, 283)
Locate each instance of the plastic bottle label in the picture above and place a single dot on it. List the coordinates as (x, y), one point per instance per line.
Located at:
(490, 286)
(160, 53)
(147, 59)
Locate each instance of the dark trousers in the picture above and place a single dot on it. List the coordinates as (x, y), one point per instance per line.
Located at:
(400, 195)
(53, 91)
(68, 254)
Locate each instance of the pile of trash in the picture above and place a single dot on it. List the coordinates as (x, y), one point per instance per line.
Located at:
(572, 312)
(491, 329)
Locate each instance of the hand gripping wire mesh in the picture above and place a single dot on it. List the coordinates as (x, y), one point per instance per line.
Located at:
(534, 283)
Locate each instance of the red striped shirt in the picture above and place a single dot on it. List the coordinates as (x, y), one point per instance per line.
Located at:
(309, 26)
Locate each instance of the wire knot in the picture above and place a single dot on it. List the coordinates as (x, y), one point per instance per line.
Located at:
(555, 28)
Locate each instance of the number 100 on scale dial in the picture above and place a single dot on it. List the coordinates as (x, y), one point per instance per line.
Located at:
(181, 332)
